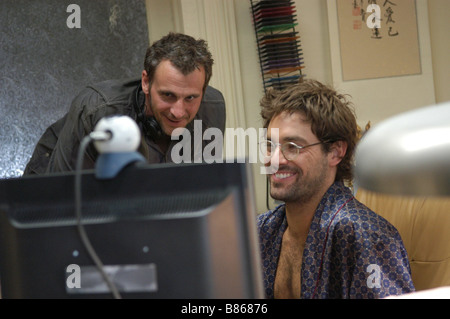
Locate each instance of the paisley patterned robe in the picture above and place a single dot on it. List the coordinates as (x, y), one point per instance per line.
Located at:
(350, 251)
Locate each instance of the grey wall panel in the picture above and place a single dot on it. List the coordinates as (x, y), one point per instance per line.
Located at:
(44, 63)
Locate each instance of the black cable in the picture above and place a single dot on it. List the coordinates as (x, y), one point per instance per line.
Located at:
(267, 193)
(84, 238)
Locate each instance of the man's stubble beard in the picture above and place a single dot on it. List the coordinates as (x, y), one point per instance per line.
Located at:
(302, 190)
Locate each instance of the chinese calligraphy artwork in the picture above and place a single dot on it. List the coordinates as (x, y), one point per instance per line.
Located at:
(378, 38)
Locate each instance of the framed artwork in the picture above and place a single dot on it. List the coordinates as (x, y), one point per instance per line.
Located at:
(378, 38)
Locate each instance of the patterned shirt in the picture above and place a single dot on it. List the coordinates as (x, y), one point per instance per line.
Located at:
(350, 251)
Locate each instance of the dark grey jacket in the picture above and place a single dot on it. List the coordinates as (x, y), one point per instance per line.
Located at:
(57, 149)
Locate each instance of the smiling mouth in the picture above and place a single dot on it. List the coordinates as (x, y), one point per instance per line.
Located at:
(283, 175)
(174, 122)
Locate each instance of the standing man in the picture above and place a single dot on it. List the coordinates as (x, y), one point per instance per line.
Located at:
(172, 91)
(321, 242)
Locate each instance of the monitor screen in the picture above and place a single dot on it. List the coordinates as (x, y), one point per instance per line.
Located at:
(160, 231)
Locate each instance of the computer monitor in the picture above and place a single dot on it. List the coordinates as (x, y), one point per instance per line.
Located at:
(161, 231)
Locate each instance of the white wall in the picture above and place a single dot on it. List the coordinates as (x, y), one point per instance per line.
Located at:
(439, 19)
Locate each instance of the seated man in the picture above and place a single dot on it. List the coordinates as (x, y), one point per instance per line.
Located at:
(321, 242)
(171, 93)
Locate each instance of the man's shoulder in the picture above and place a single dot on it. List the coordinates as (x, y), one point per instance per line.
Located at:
(212, 110)
(271, 216)
(114, 88)
(106, 97)
(363, 219)
(213, 95)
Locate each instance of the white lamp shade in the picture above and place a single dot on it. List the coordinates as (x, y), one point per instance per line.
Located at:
(408, 154)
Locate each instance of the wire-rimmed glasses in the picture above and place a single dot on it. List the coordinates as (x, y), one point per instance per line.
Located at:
(290, 150)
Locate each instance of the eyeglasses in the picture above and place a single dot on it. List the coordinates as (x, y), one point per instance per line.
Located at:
(290, 150)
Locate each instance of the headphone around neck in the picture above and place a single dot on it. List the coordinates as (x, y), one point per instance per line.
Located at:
(150, 125)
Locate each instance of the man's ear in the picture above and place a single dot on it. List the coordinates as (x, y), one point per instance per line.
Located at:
(337, 152)
(145, 83)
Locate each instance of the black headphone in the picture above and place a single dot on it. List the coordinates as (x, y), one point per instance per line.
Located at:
(150, 125)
